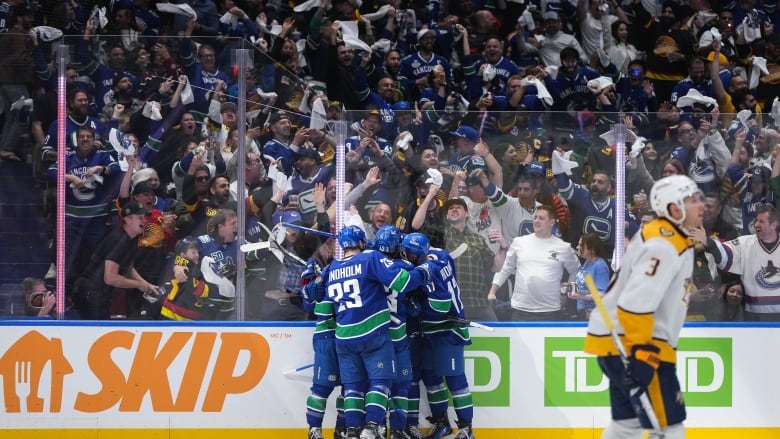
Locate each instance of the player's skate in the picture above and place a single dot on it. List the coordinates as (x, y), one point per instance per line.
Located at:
(370, 431)
(315, 433)
(340, 432)
(414, 432)
(439, 428)
(398, 434)
(464, 430)
(353, 433)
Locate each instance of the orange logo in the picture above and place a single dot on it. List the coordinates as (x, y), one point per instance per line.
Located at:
(148, 375)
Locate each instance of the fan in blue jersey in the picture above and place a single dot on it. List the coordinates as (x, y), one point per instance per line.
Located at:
(443, 339)
(356, 292)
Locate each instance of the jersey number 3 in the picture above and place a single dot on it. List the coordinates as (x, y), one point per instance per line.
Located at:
(653, 266)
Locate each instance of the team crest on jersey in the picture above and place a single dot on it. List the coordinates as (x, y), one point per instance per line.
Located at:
(769, 276)
(600, 226)
(415, 64)
(552, 255)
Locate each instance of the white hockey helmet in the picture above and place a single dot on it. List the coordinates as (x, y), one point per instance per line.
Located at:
(672, 190)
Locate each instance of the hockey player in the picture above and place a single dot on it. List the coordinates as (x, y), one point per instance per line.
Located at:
(326, 362)
(355, 292)
(648, 303)
(387, 241)
(443, 339)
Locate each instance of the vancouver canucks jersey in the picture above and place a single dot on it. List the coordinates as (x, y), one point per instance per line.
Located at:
(356, 287)
(443, 300)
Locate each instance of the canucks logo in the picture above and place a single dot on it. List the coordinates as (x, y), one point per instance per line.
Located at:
(769, 276)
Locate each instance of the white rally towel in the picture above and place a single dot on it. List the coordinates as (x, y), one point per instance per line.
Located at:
(151, 110)
(182, 9)
(759, 68)
(694, 97)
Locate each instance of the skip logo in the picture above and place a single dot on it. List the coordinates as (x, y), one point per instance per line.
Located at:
(487, 369)
(35, 370)
(573, 378)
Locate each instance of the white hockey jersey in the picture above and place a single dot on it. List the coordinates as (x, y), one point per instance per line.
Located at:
(648, 298)
(759, 267)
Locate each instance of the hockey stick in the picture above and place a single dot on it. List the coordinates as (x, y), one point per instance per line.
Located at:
(309, 230)
(470, 323)
(251, 246)
(459, 250)
(643, 398)
(298, 369)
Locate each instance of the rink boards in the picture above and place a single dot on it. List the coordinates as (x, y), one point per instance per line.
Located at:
(117, 380)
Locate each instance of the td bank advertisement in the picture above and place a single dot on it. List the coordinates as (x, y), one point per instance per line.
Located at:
(114, 380)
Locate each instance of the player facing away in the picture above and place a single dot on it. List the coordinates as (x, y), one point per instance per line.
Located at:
(444, 340)
(326, 363)
(356, 290)
(648, 302)
(387, 241)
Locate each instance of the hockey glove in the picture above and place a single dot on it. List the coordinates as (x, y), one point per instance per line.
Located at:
(313, 291)
(228, 271)
(642, 365)
(311, 272)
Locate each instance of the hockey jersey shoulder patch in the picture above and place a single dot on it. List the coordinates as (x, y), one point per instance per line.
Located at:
(663, 229)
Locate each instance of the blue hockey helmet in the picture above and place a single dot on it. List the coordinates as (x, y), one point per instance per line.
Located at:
(387, 239)
(415, 244)
(350, 237)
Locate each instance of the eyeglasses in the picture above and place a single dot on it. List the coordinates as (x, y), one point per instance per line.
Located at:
(688, 131)
(202, 179)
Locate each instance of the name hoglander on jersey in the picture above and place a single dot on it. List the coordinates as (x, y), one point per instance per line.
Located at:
(348, 271)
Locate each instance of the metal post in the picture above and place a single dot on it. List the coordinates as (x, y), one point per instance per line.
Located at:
(62, 114)
(620, 190)
(340, 131)
(242, 60)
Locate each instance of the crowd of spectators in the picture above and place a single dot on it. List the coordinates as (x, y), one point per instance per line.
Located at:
(476, 122)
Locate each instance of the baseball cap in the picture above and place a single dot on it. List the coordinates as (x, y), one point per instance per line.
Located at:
(466, 132)
(402, 106)
(423, 32)
(761, 173)
(286, 216)
(142, 187)
(308, 152)
(536, 168)
(454, 201)
(276, 117)
(133, 208)
(551, 15)
(228, 106)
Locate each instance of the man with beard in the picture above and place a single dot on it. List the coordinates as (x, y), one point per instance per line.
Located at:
(280, 149)
(78, 117)
(592, 210)
(569, 86)
(203, 210)
(416, 67)
(382, 100)
(555, 40)
(101, 75)
(122, 104)
(737, 86)
(696, 79)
